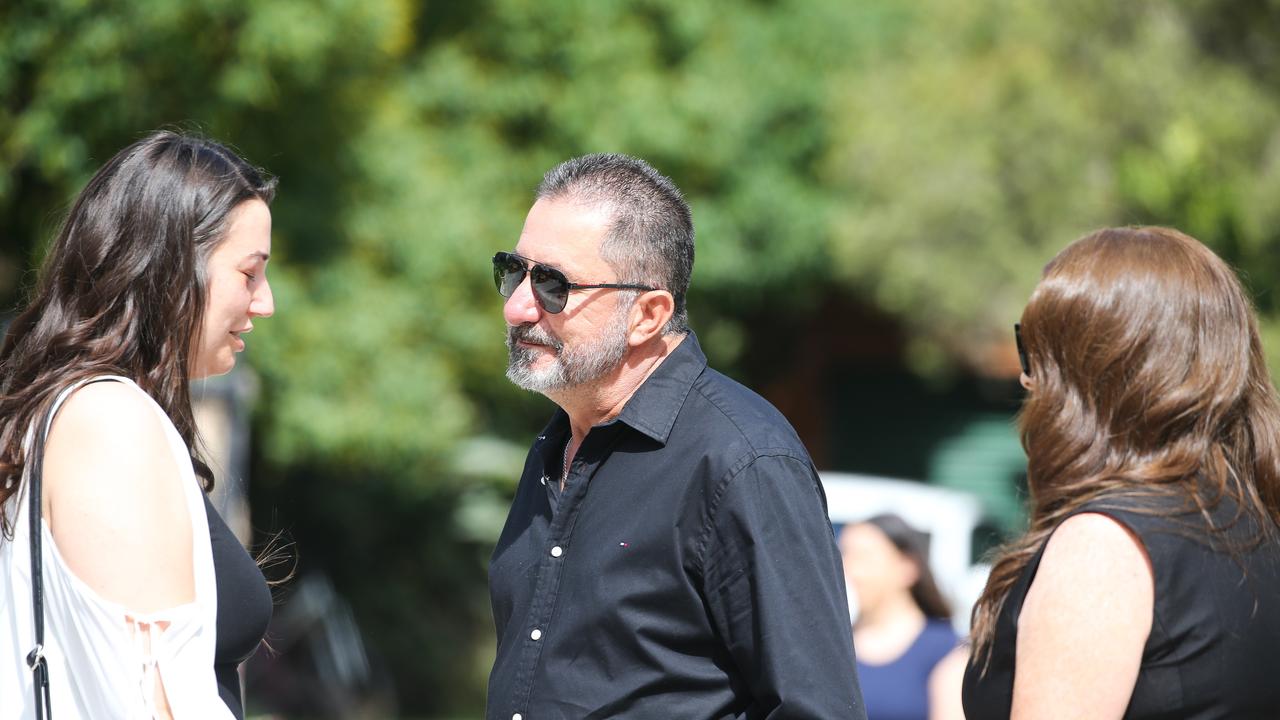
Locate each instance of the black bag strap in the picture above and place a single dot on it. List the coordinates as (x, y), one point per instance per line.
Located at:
(35, 470)
(36, 659)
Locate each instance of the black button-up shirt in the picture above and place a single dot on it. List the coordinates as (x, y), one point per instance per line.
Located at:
(688, 569)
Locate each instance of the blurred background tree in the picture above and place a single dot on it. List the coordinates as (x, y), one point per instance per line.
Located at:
(876, 186)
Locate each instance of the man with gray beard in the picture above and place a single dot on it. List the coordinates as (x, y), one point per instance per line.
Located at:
(667, 554)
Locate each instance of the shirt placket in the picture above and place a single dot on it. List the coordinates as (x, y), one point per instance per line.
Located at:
(554, 555)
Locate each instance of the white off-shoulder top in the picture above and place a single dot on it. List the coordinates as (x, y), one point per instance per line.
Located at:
(99, 665)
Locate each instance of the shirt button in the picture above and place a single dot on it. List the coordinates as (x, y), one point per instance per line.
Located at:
(535, 634)
(557, 551)
(517, 716)
(544, 482)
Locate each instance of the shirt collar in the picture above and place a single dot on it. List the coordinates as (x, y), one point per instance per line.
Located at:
(653, 408)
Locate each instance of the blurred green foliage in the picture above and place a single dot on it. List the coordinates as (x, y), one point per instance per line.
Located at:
(926, 158)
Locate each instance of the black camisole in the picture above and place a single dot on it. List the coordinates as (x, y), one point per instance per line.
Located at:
(244, 608)
(1214, 646)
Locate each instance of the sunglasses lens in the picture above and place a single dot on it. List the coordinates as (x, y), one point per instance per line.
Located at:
(551, 288)
(508, 273)
(1022, 350)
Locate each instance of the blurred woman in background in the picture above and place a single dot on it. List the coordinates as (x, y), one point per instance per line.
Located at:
(1148, 584)
(908, 665)
(150, 602)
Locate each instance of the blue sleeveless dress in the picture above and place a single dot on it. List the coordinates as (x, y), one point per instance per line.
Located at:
(899, 690)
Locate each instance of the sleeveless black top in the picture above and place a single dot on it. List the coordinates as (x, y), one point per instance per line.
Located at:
(1214, 648)
(244, 608)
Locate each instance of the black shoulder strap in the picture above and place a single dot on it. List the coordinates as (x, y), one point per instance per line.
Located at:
(35, 659)
(35, 464)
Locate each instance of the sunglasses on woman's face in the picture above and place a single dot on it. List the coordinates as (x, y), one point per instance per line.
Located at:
(1022, 351)
(550, 286)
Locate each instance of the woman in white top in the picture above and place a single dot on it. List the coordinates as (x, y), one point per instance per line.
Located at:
(157, 272)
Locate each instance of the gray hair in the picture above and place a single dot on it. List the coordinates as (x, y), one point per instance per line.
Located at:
(650, 238)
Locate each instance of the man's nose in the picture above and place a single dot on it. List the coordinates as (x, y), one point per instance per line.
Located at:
(522, 308)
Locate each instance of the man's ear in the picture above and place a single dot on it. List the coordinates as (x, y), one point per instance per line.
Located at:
(649, 315)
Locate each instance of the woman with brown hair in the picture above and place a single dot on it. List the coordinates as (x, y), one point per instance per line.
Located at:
(1148, 583)
(908, 666)
(126, 596)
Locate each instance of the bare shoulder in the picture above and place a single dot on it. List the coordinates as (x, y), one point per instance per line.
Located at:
(108, 408)
(945, 683)
(1085, 621)
(1092, 546)
(114, 497)
(113, 431)
(1093, 568)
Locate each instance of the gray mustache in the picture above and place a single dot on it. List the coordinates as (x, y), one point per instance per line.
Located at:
(532, 334)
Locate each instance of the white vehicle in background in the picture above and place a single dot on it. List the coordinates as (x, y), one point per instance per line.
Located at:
(949, 516)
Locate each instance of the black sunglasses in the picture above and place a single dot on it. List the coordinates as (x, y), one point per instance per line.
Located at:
(1022, 350)
(550, 286)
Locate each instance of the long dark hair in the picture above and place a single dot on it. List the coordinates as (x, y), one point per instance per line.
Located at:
(1148, 378)
(123, 287)
(914, 544)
